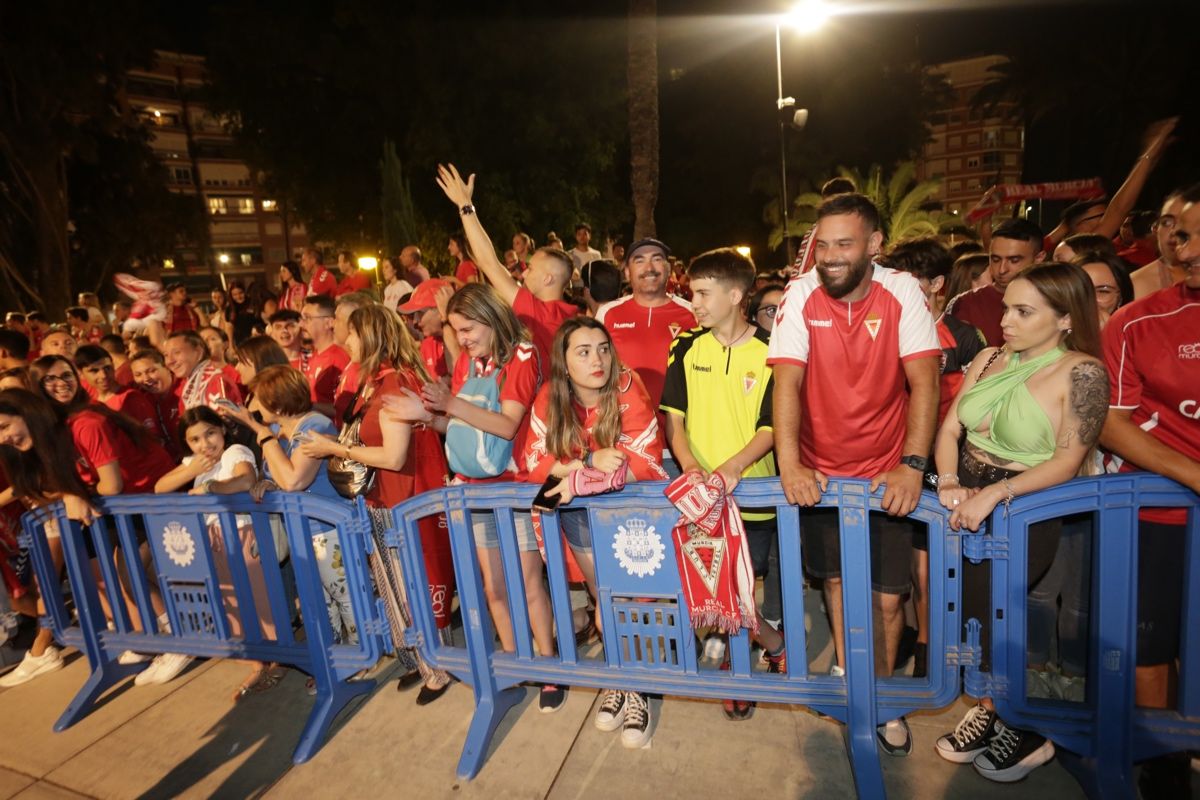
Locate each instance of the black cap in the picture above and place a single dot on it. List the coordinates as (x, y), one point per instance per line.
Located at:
(644, 242)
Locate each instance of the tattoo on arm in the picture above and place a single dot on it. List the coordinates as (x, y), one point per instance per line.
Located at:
(1089, 400)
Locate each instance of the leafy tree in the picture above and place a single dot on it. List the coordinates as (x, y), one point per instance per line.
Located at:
(902, 201)
(79, 191)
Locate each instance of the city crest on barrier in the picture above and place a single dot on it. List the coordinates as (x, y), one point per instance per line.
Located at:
(639, 549)
(178, 543)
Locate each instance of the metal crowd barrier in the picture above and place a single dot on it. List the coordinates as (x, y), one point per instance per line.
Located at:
(649, 645)
(189, 579)
(1106, 734)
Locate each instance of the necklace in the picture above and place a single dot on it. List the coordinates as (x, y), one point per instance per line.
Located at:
(737, 338)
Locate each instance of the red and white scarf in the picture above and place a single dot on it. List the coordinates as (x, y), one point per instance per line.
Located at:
(714, 556)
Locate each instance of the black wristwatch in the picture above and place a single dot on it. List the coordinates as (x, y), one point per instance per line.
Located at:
(466, 210)
(919, 463)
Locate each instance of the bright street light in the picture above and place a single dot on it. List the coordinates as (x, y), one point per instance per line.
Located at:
(807, 17)
(368, 262)
(223, 258)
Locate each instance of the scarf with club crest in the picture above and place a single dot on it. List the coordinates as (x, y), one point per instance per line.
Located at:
(714, 556)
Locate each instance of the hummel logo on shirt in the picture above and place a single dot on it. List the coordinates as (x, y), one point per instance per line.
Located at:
(821, 323)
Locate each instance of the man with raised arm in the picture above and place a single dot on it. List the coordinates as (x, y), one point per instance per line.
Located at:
(539, 303)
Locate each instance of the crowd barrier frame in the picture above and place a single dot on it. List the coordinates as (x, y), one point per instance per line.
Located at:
(1105, 735)
(856, 700)
(183, 566)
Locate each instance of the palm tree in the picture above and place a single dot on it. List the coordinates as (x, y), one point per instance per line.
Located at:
(643, 113)
(902, 201)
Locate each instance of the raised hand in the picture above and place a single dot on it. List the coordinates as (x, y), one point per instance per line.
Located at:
(453, 185)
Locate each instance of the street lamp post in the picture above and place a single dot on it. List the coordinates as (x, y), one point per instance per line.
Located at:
(806, 17)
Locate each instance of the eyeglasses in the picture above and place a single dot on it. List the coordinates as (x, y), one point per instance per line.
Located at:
(66, 377)
(768, 310)
(1104, 290)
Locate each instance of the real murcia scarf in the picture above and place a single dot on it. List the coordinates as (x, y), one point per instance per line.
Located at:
(714, 557)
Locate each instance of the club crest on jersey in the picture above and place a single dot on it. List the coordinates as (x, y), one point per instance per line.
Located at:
(674, 328)
(872, 323)
(749, 381)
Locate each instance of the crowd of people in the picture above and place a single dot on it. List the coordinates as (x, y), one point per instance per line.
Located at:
(981, 371)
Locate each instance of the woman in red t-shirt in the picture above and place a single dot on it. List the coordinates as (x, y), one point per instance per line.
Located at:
(407, 458)
(466, 271)
(116, 455)
(594, 415)
(492, 343)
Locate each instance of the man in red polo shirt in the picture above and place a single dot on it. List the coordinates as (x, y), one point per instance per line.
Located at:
(1152, 351)
(539, 304)
(1016, 244)
(353, 278)
(320, 280)
(849, 337)
(643, 324)
(325, 365)
(425, 316)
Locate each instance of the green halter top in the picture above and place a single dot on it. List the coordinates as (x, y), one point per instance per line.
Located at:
(1019, 429)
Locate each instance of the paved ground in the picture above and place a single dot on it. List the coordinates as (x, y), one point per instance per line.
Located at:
(189, 739)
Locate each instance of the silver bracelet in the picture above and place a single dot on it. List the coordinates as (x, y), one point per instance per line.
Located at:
(946, 476)
(1011, 494)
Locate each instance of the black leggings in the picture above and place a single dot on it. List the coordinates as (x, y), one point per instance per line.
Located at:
(977, 578)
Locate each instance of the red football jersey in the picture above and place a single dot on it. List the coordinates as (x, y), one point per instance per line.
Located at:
(643, 336)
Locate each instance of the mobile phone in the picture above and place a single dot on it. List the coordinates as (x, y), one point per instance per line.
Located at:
(544, 502)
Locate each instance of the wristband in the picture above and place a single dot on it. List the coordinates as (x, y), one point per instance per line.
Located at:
(262, 440)
(466, 210)
(947, 477)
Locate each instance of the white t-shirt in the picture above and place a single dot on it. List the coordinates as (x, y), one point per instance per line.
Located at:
(583, 257)
(223, 470)
(393, 292)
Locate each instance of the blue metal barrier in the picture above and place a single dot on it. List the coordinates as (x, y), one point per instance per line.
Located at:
(186, 575)
(648, 642)
(1106, 732)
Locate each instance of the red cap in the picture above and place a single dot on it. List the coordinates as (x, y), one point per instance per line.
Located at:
(423, 296)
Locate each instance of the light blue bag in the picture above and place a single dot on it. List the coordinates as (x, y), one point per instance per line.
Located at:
(471, 452)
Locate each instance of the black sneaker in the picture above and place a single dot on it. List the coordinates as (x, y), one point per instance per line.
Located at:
(636, 733)
(611, 714)
(894, 737)
(551, 698)
(1012, 754)
(1167, 777)
(970, 737)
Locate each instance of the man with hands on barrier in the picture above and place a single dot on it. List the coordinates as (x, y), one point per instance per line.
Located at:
(848, 336)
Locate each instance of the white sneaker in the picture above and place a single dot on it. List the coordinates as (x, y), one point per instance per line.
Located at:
(837, 672)
(637, 722)
(129, 657)
(32, 666)
(165, 667)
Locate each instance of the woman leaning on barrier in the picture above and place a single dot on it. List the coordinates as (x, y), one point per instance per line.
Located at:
(403, 460)
(593, 427)
(1031, 412)
(38, 459)
(117, 455)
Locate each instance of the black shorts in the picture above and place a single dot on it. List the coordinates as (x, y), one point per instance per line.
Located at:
(891, 548)
(1159, 591)
(760, 537)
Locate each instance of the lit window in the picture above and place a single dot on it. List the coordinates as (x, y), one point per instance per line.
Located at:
(270, 205)
(245, 205)
(216, 205)
(247, 259)
(168, 263)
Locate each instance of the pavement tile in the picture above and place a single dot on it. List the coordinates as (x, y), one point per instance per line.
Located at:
(12, 782)
(43, 790)
(39, 703)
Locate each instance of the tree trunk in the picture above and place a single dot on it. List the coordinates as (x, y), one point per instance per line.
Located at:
(643, 113)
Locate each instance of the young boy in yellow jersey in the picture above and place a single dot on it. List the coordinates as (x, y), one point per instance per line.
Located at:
(717, 401)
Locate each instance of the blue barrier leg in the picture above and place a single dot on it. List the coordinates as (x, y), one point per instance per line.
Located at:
(102, 678)
(490, 708)
(857, 607)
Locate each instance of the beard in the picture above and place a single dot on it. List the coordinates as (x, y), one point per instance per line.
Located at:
(837, 288)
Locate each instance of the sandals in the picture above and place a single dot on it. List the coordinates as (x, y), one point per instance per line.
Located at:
(261, 680)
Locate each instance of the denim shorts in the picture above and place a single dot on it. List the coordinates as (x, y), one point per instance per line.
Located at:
(483, 523)
(575, 529)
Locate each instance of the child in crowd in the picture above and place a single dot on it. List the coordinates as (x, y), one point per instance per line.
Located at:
(717, 399)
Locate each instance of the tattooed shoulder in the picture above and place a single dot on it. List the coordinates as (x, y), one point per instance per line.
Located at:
(1089, 399)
